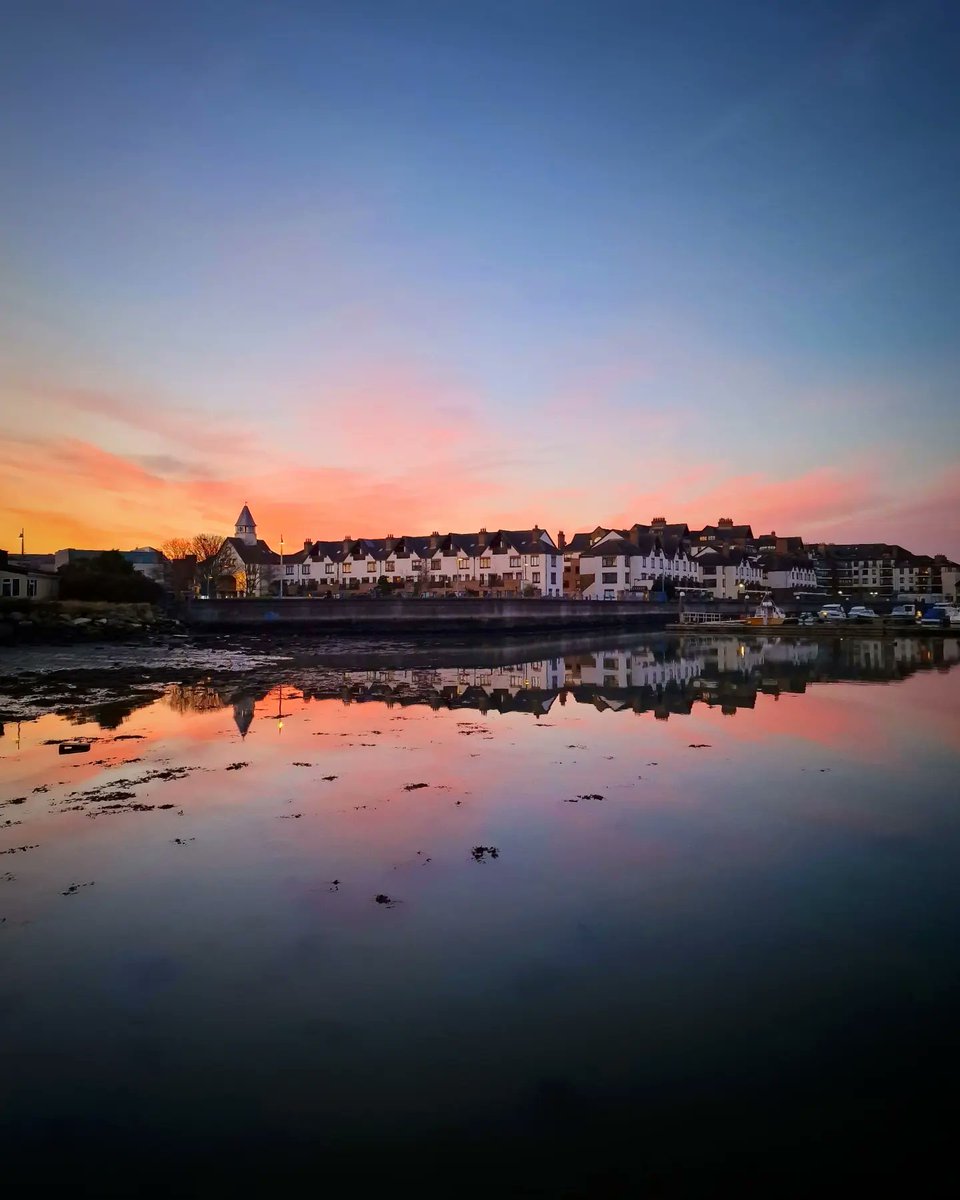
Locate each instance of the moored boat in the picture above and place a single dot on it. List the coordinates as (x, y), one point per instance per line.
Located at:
(767, 613)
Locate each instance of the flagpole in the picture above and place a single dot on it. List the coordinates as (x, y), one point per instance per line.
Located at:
(281, 566)
(21, 541)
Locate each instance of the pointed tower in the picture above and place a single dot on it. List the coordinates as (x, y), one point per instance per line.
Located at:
(246, 528)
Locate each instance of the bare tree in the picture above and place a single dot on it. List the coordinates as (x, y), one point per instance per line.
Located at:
(206, 545)
(207, 548)
(421, 572)
(177, 547)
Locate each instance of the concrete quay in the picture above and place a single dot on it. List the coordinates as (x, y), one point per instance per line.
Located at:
(393, 616)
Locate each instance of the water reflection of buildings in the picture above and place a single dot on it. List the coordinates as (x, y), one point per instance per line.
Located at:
(662, 677)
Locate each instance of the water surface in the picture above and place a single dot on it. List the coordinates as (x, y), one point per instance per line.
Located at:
(654, 916)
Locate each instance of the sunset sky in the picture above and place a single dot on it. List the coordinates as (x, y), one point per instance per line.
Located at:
(395, 267)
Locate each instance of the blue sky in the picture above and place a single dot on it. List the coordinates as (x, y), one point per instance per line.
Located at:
(562, 261)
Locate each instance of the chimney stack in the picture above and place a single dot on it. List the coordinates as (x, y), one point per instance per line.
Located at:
(307, 544)
(561, 540)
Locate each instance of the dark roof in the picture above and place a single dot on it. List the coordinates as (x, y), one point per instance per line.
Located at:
(9, 568)
(246, 517)
(724, 533)
(466, 545)
(256, 555)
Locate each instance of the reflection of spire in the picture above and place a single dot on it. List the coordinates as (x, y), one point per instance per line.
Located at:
(243, 707)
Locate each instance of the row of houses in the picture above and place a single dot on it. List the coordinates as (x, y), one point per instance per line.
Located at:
(723, 561)
(521, 562)
(726, 561)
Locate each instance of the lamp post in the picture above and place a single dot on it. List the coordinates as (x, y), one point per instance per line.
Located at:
(681, 594)
(281, 566)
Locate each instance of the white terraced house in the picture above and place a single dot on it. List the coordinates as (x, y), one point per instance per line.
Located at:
(614, 563)
(788, 571)
(729, 573)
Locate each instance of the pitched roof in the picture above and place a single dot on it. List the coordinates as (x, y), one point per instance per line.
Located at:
(258, 554)
(246, 517)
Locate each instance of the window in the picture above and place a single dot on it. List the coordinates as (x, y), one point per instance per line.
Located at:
(610, 664)
(371, 568)
(347, 568)
(484, 562)
(609, 577)
(289, 569)
(463, 564)
(305, 569)
(514, 560)
(436, 565)
(328, 569)
(31, 587)
(553, 577)
(610, 561)
(608, 595)
(390, 568)
(11, 587)
(536, 577)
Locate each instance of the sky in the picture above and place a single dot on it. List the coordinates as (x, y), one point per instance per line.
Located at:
(394, 267)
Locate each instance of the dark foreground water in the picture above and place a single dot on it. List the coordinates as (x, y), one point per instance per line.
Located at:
(651, 919)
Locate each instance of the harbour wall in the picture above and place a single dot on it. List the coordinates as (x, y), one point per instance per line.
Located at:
(434, 616)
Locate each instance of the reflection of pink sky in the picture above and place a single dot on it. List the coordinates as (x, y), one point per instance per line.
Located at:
(524, 773)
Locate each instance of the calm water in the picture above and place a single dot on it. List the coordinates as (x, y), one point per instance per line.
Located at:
(718, 938)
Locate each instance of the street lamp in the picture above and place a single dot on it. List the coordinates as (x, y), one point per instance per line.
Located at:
(281, 566)
(681, 594)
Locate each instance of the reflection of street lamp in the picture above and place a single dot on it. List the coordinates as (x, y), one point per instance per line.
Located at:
(681, 594)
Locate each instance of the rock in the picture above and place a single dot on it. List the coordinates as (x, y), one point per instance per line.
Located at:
(82, 621)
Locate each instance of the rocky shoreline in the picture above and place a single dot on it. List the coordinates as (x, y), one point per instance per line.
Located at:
(70, 621)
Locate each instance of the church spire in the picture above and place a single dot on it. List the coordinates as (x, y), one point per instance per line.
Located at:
(246, 527)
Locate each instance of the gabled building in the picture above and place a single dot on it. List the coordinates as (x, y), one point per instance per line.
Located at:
(21, 581)
(245, 564)
(729, 572)
(788, 572)
(616, 563)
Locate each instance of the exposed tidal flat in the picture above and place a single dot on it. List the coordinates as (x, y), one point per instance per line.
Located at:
(590, 915)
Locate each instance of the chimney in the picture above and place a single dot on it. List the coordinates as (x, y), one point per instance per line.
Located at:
(658, 521)
(435, 539)
(483, 529)
(388, 543)
(561, 540)
(725, 523)
(347, 539)
(307, 544)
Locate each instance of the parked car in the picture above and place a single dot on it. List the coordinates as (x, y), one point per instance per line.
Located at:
(941, 615)
(860, 612)
(832, 612)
